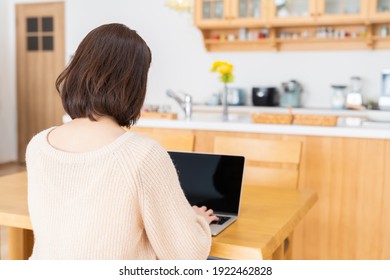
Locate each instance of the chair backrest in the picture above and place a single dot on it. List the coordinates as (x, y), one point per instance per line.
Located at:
(175, 141)
(271, 163)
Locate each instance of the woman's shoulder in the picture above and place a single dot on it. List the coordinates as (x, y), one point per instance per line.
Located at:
(40, 136)
(140, 152)
(143, 145)
(37, 142)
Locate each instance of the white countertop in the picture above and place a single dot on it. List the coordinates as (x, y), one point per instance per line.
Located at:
(351, 123)
(279, 110)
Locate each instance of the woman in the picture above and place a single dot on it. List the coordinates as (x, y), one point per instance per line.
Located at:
(96, 191)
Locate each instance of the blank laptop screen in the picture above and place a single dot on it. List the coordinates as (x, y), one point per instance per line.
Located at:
(210, 180)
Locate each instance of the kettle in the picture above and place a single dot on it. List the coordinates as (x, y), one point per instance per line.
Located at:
(291, 94)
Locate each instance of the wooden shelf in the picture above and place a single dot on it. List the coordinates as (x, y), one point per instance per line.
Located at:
(238, 42)
(239, 45)
(322, 40)
(365, 25)
(380, 38)
(294, 44)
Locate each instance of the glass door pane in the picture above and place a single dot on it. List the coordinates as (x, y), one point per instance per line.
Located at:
(218, 8)
(212, 9)
(206, 11)
(342, 7)
(300, 7)
(292, 8)
(351, 7)
(249, 8)
(383, 6)
(332, 7)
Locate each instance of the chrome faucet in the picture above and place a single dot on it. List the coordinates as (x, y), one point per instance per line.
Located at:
(185, 103)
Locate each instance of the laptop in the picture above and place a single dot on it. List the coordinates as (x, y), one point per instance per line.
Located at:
(212, 180)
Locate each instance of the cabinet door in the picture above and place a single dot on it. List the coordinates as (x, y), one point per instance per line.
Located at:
(249, 12)
(212, 13)
(292, 11)
(380, 10)
(341, 11)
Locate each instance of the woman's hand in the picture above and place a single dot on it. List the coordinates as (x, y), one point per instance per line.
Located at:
(208, 215)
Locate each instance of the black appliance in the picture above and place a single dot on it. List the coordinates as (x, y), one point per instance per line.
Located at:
(265, 96)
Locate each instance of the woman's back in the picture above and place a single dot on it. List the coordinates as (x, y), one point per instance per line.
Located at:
(97, 204)
(96, 191)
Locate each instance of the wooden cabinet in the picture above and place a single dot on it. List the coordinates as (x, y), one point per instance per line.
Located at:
(245, 25)
(379, 15)
(236, 24)
(379, 10)
(212, 13)
(341, 11)
(283, 12)
(230, 13)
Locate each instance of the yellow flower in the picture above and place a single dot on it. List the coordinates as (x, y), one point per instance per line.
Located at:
(225, 69)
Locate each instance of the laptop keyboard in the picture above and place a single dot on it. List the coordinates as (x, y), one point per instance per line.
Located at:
(222, 220)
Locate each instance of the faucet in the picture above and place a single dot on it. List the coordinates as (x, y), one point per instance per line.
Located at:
(185, 103)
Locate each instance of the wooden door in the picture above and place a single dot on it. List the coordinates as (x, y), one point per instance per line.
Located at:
(40, 59)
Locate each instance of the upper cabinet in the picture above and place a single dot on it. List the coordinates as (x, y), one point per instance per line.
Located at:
(212, 13)
(234, 13)
(235, 25)
(379, 10)
(341, 11)
(291, 12)
(309, 12)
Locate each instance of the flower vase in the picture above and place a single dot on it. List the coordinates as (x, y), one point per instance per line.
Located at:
(225, 114)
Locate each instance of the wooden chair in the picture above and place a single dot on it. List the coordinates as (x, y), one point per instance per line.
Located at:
(171, 141)
(175, 141)
(268, 163)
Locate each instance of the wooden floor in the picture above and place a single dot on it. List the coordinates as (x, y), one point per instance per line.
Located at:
(11, 167)
(5, 169)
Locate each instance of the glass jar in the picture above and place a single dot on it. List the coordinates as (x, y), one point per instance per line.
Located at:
(338, 96)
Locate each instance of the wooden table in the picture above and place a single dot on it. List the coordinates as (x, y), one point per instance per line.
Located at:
(267, 217)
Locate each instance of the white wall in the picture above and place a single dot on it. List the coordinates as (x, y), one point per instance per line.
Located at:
(8, 127)
(181, 63)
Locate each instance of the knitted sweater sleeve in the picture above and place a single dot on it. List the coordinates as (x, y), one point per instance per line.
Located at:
(174, 230)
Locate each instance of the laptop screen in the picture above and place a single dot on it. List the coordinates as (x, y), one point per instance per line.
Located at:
(210, 180)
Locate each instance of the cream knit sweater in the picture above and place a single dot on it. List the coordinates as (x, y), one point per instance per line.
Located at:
(123, 201)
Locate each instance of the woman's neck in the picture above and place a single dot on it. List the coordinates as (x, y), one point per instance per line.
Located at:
(82, 134)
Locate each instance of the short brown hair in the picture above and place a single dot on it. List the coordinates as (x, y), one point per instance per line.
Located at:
(107, 75)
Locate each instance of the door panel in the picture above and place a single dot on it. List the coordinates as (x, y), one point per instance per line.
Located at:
(40, 59)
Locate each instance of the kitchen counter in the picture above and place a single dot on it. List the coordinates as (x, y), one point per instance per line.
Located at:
(347, 126)
(351, 123)
(346, 165)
